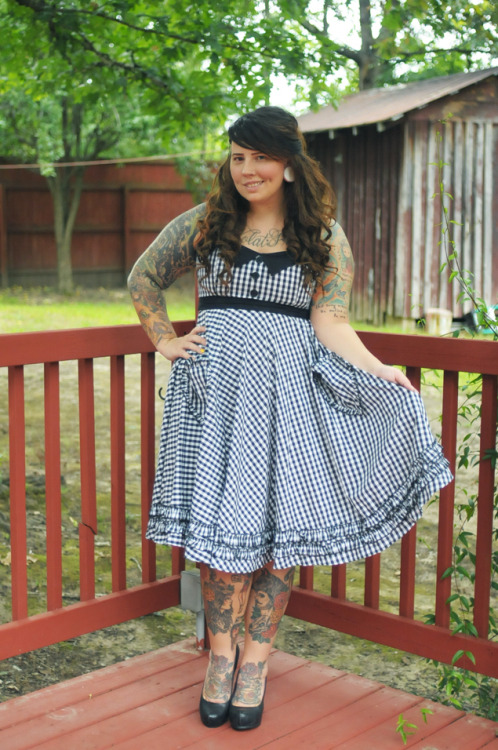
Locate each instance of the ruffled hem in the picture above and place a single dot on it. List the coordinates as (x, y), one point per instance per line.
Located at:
(244, 553)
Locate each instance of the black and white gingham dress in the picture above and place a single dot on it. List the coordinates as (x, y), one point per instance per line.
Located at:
(274, 448)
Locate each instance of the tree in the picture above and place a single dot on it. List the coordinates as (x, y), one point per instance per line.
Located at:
(57, 107)
(395, 40)
(79, 79)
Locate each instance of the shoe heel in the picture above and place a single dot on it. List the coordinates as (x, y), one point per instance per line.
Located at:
(247, 717)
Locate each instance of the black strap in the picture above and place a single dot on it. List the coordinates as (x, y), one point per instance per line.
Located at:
(212, 302)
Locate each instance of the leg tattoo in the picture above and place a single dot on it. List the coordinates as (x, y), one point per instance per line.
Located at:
(249, 684)
(218, 682)
(271, 595)
(218, 603)
(225, 599)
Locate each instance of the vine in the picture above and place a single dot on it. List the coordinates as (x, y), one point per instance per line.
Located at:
(484, 314)
(455, 682)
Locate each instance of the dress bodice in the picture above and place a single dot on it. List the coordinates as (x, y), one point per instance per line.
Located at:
(262, 277)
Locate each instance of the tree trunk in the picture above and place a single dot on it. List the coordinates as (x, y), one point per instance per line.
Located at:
(66, 188)
(367, 63)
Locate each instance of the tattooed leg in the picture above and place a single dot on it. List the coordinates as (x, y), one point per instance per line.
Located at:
(268, 600)
(225, 601)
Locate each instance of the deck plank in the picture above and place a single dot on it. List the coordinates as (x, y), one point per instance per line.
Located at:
(151, 701)
(468, 733)
(358, 717)
(384, 735)
(92, 684)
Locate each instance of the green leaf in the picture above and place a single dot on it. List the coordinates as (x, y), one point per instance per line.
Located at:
(425, 713)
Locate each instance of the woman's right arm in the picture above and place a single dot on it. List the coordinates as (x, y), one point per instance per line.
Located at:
(170, 256)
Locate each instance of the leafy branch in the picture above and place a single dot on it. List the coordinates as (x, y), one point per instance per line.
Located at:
(406, 728)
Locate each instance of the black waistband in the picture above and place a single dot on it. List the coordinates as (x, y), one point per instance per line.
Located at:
(214, 302)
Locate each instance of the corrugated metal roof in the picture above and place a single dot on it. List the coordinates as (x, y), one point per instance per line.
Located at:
(390, 103)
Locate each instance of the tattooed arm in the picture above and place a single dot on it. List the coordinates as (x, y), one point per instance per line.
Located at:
(330, 313)
(170, 256)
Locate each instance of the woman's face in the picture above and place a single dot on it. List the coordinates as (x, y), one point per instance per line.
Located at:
(257, 177)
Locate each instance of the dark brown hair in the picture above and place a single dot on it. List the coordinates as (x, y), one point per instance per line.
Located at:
(309, 200)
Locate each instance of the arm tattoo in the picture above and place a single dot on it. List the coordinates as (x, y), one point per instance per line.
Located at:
(332, 295)
(169, 256)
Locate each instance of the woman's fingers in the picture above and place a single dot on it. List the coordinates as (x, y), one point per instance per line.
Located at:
(395, 376)
(182, 346)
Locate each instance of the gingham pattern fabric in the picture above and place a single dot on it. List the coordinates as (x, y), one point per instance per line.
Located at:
(274, 448)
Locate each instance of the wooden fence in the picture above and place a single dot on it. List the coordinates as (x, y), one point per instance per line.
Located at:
(122, 209)
(401, 629)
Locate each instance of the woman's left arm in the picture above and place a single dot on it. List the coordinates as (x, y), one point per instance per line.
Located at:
(330, 313)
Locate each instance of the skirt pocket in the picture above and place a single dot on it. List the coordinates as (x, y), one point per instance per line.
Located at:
(337, 381)
(194, 376)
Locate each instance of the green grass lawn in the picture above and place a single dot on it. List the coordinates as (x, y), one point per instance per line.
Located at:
(44, 309)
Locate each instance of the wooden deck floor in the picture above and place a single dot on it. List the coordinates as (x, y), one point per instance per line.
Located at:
(151, 701)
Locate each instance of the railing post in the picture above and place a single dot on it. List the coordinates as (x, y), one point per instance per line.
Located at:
(446, 500)
(53, 485)
(485, 505)
(306, 577)
(338, 583)
(409, 542)
(372, 581)
(17, 468)
(88, 524)
(118, 480)
(148, 460)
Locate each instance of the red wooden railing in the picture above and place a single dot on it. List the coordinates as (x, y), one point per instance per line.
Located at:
(365, 619)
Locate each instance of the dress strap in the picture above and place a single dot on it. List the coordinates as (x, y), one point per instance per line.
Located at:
(211, 302)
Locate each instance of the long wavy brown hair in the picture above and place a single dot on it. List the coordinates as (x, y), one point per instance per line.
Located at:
(309, 200)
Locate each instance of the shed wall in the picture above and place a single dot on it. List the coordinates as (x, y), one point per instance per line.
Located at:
(463, 155)
(363, 169)
(387, 184)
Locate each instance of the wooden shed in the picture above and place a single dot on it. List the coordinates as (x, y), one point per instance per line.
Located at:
(380, 149)
(122, 209)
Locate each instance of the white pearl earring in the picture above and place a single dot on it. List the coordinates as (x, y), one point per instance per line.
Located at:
(289, 175)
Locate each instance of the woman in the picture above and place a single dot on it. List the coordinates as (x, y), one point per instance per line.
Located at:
(285, 441)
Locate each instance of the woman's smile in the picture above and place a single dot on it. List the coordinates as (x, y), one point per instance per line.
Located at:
(256, 176)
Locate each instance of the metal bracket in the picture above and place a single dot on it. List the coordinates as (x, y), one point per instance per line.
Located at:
(191, 600)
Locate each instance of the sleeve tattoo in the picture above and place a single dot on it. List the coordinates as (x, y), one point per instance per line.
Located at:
(333, 294)
(169, 256)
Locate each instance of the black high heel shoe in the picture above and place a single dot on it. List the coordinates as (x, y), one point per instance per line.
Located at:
(215, 714)
(247, 717)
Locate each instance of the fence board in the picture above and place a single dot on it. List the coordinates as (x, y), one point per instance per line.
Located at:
(106, 239)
